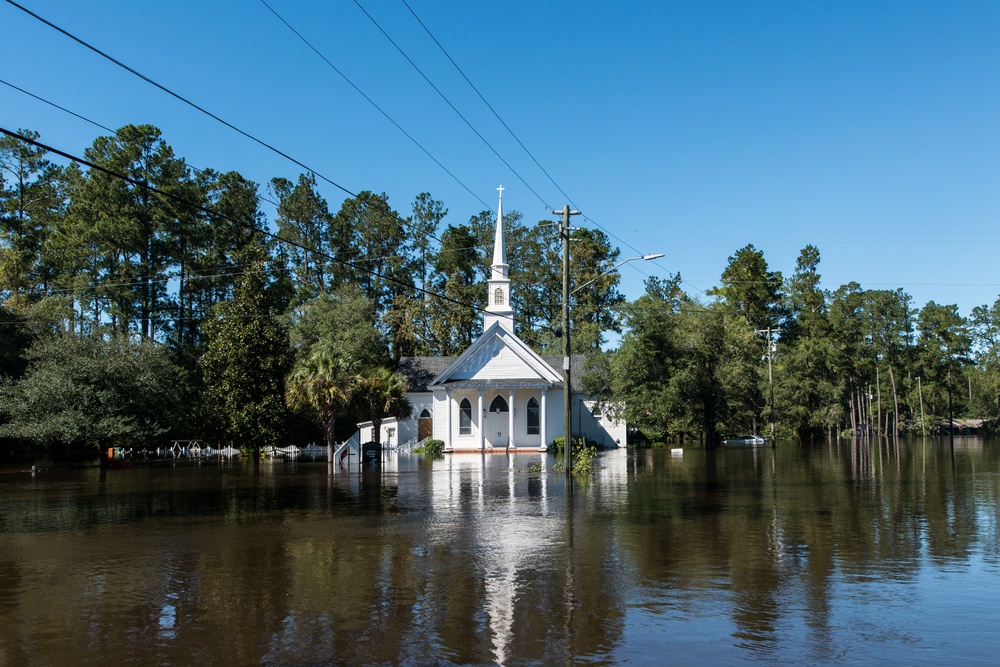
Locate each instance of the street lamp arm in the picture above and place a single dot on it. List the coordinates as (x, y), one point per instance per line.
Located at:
(615, 268)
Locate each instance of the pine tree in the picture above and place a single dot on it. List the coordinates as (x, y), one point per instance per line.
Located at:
(245, 363)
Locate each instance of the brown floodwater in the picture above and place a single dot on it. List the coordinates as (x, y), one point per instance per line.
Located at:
(829, 554)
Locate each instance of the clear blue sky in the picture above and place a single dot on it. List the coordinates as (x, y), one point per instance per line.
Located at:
(869, 129)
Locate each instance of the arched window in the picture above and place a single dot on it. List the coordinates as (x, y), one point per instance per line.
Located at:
(465, 417)
(498, 296)
(533, 416)
(498, 405)
(424, 414)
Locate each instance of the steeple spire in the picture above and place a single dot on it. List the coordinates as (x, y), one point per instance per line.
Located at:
(499, 248)
(498, 286)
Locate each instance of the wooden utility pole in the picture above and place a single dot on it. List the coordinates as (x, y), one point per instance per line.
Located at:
(772, 347)
(567, 389)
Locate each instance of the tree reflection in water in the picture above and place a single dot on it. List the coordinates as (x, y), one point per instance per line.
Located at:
(844, 551)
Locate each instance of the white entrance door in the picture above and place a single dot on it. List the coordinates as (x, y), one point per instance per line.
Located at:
(497, 424)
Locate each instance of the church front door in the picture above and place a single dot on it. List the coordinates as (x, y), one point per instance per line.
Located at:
(497, 424)
(425, 425)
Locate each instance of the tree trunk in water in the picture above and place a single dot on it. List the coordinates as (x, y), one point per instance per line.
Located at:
(854, 416)
(895, 402)
(878, 393)
(328, 435)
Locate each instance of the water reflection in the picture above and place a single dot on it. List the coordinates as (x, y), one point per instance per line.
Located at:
(840, 552)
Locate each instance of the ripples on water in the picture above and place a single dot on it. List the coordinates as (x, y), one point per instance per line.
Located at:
(826, 554)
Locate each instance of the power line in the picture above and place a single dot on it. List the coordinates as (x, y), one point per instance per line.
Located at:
(53, 104)
(179, 97)
(253, 138)
(237, 221)
(448, 102)
(563, 192)
(372, 102)
(488, 105)
(180, 161)
(260, 197)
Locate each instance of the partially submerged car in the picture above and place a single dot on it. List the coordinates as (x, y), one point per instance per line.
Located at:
(747, 440)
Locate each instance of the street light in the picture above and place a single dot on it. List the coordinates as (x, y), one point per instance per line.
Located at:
(616, 267)
(567, 409)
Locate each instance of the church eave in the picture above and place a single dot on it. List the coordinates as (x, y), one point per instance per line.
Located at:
(514, 383)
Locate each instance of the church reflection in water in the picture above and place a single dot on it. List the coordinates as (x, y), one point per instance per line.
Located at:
(497, 530)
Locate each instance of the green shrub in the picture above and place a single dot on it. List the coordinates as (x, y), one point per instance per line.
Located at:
(583, 460)
(558, 444)
(584, 453)
(433, 447)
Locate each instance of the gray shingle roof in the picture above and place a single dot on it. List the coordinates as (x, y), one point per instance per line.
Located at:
(576, 362)
(420, 371)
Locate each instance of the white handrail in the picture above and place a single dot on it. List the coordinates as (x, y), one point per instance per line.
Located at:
(412, 444)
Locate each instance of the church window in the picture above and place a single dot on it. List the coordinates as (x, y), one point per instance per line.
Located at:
(498, 405)
(465, 417)
(498, 296)
(533, 416)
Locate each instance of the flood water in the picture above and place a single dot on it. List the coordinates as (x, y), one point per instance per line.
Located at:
(829, 554)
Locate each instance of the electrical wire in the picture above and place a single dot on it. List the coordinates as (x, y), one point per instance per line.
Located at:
(250, 136)
(180, 97)
(260, 197)
(488, 105)
(448, 102)
(544, 171)
(372, 102)
(203, 209)
(180, 161)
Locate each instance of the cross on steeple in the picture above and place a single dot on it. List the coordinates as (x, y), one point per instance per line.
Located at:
(498, 286)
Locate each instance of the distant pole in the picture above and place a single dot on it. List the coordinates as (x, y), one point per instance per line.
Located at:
(770, 380)
(567, 410)
(951, 414)
(771, 347)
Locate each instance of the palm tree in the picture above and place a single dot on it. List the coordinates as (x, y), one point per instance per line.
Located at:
(324, 385)
(381, 393)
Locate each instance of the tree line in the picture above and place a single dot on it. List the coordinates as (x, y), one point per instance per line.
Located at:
(141, 298)
(822, 363)
(132, 270)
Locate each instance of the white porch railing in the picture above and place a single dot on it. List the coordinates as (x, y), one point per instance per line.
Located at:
(411, 444)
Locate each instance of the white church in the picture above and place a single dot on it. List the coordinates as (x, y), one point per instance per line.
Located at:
(498, 395)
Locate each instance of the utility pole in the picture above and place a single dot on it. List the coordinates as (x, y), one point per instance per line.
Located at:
(567, 410)
(951, 416)
(772, 347)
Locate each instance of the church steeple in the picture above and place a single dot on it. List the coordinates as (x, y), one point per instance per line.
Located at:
(498, 307)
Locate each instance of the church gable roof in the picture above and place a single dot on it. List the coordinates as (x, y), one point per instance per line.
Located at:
(497, 355)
